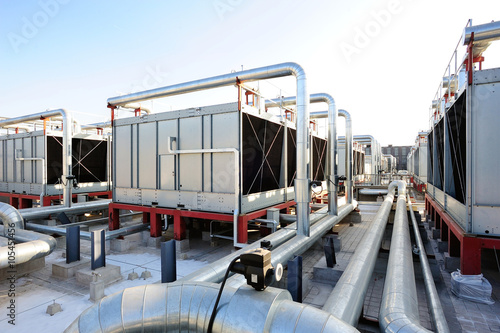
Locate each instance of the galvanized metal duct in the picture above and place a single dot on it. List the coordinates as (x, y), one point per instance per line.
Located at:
(187, 307)
(332, 140)
(302, 195)
(32, 245)
(349, 156)
(482, 33)
(67, 144)
(399, 308)
(437, 314)
(347, 298)
(300, 244)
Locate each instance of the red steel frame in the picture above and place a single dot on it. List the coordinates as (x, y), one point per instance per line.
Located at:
(152, 215)
(20, 201)
(460, 244)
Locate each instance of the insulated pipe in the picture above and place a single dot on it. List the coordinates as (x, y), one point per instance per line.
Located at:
(67, 148)
(300, 244)
(332, 141)
(187, 307)
(437, 314)
(45, 212)
(347, 298)
(399, 307)
(214, 272)
(348, 154)
(33, 245)
(131, 229)
(136, 106)
(482, 33)
(274, 71)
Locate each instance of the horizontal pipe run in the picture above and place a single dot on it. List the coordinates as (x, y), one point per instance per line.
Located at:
(132, 229)
(45, 212)
(347, 298)
(214, 272)
(437, 314)
(300, 244)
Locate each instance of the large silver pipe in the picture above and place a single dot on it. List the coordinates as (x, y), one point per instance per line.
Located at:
(274, 71)
(332, 140)
(67, 145)
(53, 230)
(300, 244)
(399, 307)
(187, 307)
(32, 245)
(347, 298)
(437, 314)
(214, 272)
(348, 154)
(45, 212)
(482, 33)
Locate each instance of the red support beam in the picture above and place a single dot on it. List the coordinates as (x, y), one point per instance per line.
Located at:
(470, 259)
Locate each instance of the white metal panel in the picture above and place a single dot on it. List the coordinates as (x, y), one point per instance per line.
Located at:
(123, 162)
(207, 158)
(146, 150)
(190, 137)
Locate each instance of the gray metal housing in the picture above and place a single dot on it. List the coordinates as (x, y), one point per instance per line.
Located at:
(190, 159)
(27, 159)
(465, 190)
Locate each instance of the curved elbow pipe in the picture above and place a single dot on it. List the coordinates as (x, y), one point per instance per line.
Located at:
(331, 114)
(32, 245)
(399, 308)
(67, 144)
(262, 73)
(348, 154)
(187, 307)
(136, 106)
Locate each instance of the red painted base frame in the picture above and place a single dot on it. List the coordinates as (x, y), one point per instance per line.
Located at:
(20, 201)
(460, 244)
(152, 215)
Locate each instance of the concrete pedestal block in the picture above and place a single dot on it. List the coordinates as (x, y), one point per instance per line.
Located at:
(353, 217)
(22, 269)
(451, 264)
(205, 236)
(155, 241)
(96, 290)
(442, 246)
(60, 242)
(120, 245)
(182, 246)
(63, 270)
(108, 274)
(329, 275)
(54, 308)
(436, 233)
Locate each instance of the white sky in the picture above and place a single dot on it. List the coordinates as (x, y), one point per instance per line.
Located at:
(76, 54)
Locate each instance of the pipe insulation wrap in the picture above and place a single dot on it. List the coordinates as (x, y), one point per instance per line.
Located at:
(437, 314)
(347, 298)
(399, 307)
(29, 245)
(186, 307)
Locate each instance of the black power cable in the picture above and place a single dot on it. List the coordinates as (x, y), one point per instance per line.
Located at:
(214, 311)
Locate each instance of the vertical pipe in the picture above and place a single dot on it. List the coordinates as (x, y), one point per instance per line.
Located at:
(168, 262)
(348, 154)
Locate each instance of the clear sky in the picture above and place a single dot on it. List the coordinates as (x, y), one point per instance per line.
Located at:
(382, 60)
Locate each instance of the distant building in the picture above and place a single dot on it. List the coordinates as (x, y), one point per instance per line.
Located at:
(400, 153)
